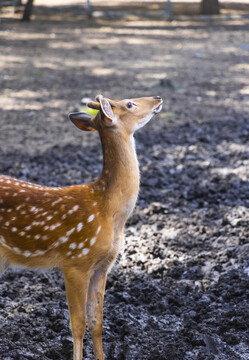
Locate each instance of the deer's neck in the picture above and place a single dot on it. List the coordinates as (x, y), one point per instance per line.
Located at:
(119, 182)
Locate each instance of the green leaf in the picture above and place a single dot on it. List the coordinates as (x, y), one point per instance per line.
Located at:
(167, 115)
(90, 111)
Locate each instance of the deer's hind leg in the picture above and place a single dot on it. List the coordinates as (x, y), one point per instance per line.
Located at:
(95, 300)
(4, 264)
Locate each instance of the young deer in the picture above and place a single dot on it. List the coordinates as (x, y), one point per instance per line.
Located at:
(79, 228)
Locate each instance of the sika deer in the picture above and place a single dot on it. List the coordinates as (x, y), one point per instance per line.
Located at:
(79, 228)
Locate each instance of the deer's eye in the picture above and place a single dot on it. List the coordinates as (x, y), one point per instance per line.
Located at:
(129, 105)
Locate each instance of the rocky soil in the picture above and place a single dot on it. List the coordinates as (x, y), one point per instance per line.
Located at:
(180, 288)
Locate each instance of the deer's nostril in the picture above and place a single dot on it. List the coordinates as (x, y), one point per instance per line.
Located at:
(157, 97)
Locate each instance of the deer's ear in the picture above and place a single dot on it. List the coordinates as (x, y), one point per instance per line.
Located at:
(83, 121)
(106, 108)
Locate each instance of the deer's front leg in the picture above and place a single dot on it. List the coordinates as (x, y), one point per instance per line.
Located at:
(76, 289)
(95, 301)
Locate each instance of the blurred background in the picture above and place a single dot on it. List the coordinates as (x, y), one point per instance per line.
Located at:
(179, 291)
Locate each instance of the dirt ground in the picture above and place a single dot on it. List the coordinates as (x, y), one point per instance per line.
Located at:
(179, 290)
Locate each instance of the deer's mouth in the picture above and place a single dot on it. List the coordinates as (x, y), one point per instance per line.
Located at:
(158, 108)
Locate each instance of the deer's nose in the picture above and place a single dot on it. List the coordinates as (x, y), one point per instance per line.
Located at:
(157, 97)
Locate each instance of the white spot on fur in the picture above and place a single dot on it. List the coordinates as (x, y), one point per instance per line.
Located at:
(53, 227)
(56, 201)
(16, 250)
(91, 217)
(26, 253)
(70, 231)
(75, 208)
(2, 239)
(57, 243)
(79, 227)
(92, 241)
(63, 239)
(98, 230)
(81, 245)
(72, 246)
(85, 251)
(39, 253)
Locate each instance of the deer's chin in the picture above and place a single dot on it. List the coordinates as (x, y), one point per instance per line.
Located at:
(142, 122)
